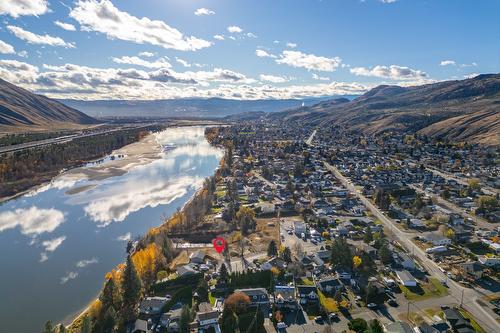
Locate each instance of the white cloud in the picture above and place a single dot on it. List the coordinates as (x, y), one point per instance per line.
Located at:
(53, 244)
(69, 276)
(147, 54)
(291, 45)
(23, 54)
(31, 221)
(447, 63)
(183, 62)
(6, 48)
(219, 37)
(309, 61)
(85, 262)
(234, 29)
(320, 78)
(393, 72)
(16, 8)
(32, 38)
(124, 238)
(204, 11)
(159, 63)
(264, 54)
(65, 26)
(105, 18)
(388, 1)
(273, 78)
(470, 76)
(251, 35)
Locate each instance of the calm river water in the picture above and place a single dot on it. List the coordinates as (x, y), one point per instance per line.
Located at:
(55, 247)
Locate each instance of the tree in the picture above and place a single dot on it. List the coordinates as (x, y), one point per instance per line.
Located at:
(368, 235)
(341, 253)
(131, 286)
(223, 275)
(61, 329)
(298, 249)
(86, 325)
(246, 219)
(474, 184)
(358, 325)
(237, 302)
(272, 250)
(107, 295)
(202, 291)
(356, 261)
(375, 326)
(48, 328)
(385, 254)
(185, 319)
(287, 255)
(450, 233)
(161, 275)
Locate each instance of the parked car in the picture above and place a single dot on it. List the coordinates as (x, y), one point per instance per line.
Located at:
(371, 306)
(333, 317)
(281, 325)
(319, 320)
(392, 302)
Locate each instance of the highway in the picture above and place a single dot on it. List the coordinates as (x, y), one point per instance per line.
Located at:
(310, 139)
(61, 139)
(466, 297)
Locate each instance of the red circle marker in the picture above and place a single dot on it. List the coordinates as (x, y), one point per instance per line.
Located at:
(219, 244)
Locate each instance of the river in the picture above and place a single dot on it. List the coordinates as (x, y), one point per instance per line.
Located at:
(58, 241)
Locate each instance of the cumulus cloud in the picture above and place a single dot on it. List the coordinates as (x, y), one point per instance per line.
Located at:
(32, 38)
(393, 72)
(53, 244)
(85, 262)
(69, 276)
(219, 37)
(147, 54)
(16, 8)
(183, 62)
(124, 238)
(273, 78)
(264, 54)
(234, 29)
(65, 26)
(309, 61)
(291, 45)
(102, 16)
(159, 63)
(447, 63)
(204, 11)
(31, 221)
(6, 48)
(320, 78)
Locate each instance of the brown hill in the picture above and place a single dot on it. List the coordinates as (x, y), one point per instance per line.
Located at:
(21, 109)
(464, 110)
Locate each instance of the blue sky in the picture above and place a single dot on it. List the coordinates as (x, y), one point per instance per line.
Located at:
(151, 49)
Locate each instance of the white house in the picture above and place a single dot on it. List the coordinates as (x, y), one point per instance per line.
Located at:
(206, 320)
(406, 279)
(436, 239)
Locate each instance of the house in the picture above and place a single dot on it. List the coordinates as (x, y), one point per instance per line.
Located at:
(457, 322)
(436, 239)
(273, 262)
(406, 279)
(307, 294)
(416, 224)
(474, 269)
(368, 249)
(185, 270)
(343, 274)
(299, 228)
(258, 296)
(398, 327)
(151, 306)
(284, 297)
(403, 260)
(142, 326)
(197, 257)
(324, 254)
(329, 285)
(439, 327)
(489, 261)
(206, 320)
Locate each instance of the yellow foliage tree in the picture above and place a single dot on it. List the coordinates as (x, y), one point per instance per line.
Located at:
(345, 304)
(356, 261)
(275, 271)
(145, 262)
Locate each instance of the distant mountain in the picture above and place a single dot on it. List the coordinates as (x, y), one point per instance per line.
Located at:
(186, 107)
(24, 110)
(464, 110)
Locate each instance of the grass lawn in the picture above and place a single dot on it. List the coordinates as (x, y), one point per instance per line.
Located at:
(328, 303)
(474, 323)
(307, 282)
(211, 298)
(433, 288)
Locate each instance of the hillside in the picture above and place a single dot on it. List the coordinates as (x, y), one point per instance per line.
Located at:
(21, 109)
(465, 110)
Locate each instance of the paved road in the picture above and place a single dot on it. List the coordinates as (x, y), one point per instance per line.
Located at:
(310, 139)
(463, 295)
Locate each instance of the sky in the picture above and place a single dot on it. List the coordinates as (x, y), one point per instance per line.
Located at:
(258, 49)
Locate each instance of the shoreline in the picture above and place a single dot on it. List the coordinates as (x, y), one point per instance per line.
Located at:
(83, 312)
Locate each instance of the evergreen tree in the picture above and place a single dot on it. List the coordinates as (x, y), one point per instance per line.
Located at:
(107, 294)
(48, 328)
(185, 319)
(223, 275)
(341, 253)
(86, 325)
(375, 326)
(167, 249)
(272, 250)
(287, 255)
(368, 235)
(202, 291)
(385, 254)
(61, 329)
(131, 286)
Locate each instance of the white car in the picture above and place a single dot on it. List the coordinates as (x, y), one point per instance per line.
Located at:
(281, 325)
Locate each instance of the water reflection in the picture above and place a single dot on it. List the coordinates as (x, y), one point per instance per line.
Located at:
(64, 236)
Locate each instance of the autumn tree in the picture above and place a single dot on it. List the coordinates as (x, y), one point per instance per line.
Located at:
(145, 262)
(237, 302)
(356, 261)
